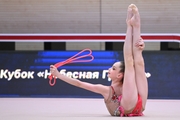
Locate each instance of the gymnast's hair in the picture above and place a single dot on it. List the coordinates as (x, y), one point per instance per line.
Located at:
(122, 69)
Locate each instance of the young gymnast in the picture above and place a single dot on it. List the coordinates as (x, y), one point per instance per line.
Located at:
(128, 92)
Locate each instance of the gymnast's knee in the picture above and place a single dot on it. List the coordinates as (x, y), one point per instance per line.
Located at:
(129, 61)
(139, 62)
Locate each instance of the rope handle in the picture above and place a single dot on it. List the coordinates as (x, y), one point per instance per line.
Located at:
(74, 59)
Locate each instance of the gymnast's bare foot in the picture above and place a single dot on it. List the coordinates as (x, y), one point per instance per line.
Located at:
(135, 20)
(129, 16)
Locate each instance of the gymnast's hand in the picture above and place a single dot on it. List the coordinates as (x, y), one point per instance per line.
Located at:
(140, 44)
(54, 70)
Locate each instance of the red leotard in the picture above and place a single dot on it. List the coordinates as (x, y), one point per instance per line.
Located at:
(137, 110)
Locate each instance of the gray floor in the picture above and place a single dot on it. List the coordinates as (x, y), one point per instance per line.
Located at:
(79, 109)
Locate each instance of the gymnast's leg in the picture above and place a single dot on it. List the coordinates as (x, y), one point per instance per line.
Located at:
(141, 80)
(129, 92)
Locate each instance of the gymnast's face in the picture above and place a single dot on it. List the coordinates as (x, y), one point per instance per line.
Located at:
(114, 71)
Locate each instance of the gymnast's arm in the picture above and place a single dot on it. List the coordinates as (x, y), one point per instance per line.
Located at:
(96, 88)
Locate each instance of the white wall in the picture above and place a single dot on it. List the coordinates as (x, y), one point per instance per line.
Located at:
(85, 16)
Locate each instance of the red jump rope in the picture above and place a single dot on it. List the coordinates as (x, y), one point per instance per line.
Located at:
(74, 59)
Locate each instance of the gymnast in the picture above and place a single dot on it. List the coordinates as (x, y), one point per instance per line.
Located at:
(127, 94)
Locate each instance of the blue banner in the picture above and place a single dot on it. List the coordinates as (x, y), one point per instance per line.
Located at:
(25, 73)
